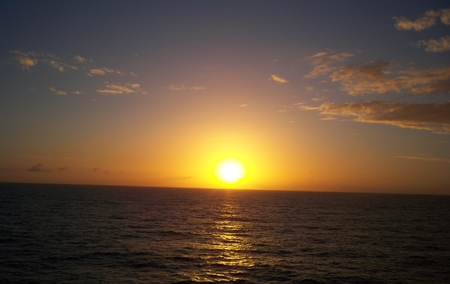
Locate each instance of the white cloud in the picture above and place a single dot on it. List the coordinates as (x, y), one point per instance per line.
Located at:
(278, 79)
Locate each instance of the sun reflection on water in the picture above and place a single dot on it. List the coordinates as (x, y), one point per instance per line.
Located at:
(228, 249)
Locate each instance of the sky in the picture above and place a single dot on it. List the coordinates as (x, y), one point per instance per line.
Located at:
(308, 95)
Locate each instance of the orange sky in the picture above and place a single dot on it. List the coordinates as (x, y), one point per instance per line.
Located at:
(309, 96)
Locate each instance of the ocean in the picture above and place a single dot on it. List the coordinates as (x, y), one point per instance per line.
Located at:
(108, 234)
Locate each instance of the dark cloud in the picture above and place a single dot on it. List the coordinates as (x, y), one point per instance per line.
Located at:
(38, 168)
(434, 117)
(373, 77)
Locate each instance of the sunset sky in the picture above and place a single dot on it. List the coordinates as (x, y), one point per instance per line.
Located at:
(308, 95)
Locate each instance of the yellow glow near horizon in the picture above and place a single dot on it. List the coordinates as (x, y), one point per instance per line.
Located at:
(230, 171)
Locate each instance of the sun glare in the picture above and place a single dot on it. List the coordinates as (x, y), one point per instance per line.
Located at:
(230, 171)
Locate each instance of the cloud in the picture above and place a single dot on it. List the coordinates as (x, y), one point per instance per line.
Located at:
(38, 168)
(99, 72)
(58, 65)
(82, 60)
(57, 92)
(243, 105)
(322, 62)
(26, 59)
(278, 79)
(428, 20)
(427, 159)
(103, 71)
(362, 78)
(62, 169)
(302, 106)
(434, 117)
(98, 170)
(318, 99)
(32, 58)
(445, 16)
(433, 45)
(25, 62)
(184, 88)
(115, 89)
(372, 77)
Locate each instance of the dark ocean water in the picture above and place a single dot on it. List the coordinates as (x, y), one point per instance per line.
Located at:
(100, 234)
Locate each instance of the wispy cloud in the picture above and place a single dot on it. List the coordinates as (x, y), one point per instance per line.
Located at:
(278, 79)
(80, 59)
(243, 105)
(29, 59)
(322, 62)
(103, 71)
(434, 117)
(302, 106)
(318, 99)
(57, 92)
(428, 20)
(60, 66)
(38, 168)
(116, 89)
(98, 170)
(63, 169)
(434, 45)
(185, 88)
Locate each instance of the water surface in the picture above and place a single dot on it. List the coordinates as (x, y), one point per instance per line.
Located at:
(101, 234)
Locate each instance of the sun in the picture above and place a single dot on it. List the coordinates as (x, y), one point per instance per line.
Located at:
(230, 171)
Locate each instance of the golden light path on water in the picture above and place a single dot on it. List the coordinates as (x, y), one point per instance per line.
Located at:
(228, 248)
